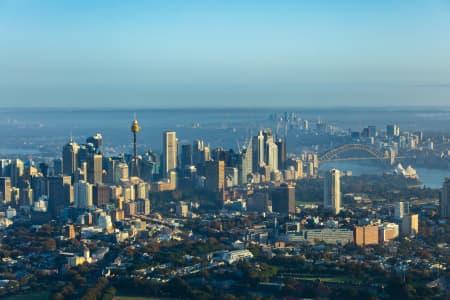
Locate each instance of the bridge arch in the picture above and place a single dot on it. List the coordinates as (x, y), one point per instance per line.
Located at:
(333, 154)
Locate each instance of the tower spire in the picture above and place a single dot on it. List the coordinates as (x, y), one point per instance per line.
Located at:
(134, 164)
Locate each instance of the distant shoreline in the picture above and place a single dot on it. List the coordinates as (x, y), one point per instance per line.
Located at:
(105, 108)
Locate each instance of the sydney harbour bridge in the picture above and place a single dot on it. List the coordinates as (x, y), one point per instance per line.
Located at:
(350, 152)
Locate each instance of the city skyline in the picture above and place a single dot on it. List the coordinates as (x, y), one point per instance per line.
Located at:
(233, 54)
(225, 149)
(80, 213)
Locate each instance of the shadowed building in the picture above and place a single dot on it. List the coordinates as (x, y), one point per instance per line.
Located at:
(215, 175)
(60, 193)
(445, 199)
(283, 199)
(281, 144)
(186, 156)
(101, 195)
(332, 191)
(69, 158)
(96, 141)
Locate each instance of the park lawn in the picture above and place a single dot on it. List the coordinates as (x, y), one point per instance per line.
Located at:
(44, 295)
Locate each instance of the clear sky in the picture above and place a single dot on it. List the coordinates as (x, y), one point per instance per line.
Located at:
(224, 53)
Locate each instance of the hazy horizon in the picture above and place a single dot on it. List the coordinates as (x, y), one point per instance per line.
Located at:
(233, 54)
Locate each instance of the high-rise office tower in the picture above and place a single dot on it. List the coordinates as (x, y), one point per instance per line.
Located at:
(170, 152)
(186, 156)
(197, 152)
(219, 154)
(95, 168)
(445, 199)
(83, 194)
(215, 175)
(257, 152)
(332, 191)
(392, 130)
(43, 168)
(268, 140)
(372, 131)
(129, 208)
(401, 209)
(149, 166)
(142, 206)
(283, 199)
(57, 166)
(410, 224)
(272, 155)
(134, 163)
(281, 144)
(69, 158)
(83, 152)
(299, 168)
(231, 176)
(111, 164)
(141, 190)
(96, 141)
(39, 186)
(5, 190)
(17, 170)
(245, 164)
(26, 196)
(81, 172)
(5, 167)
(60, 193)
(206, 153)
(120, 173)
(101, 195)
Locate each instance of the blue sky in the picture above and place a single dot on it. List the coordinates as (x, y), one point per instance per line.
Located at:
(224, 53)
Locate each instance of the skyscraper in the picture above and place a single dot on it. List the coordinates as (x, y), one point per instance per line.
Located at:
(69, 158)
(268, 140)
(17, 170)
(101, 195)
(245, 164)
(392, 130)
(445, 199)
(332, 191)
(5, 190)
(170, 152)
(186, 156)
(281, 144)
(410, 224)
(257, 152)
(142, 206)
(95, 168)
(272, 155)
(59, 193)
(96, 141)
(197, 152)
(83, 194)
(283, 199)
(372, 131)
(401, 209)
(215, 175)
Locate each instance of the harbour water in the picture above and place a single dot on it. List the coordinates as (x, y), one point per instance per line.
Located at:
(431, 178)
